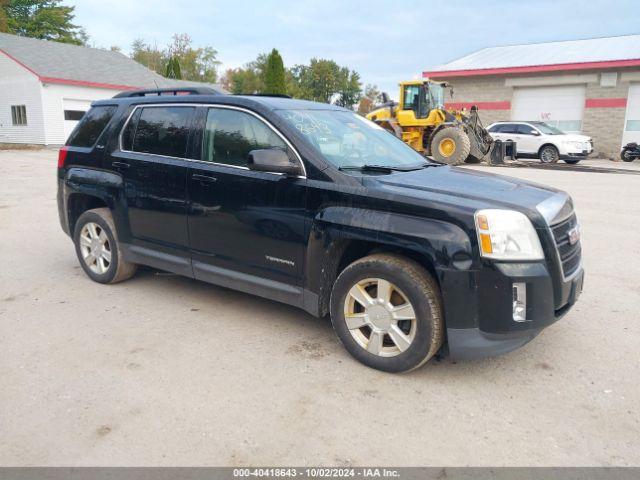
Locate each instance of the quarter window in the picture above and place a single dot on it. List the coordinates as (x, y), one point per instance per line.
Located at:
(19, 114)
(88, 130)
(230, 135)
(162, 131)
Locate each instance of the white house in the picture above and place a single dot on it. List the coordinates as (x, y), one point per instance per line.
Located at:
(45, 87)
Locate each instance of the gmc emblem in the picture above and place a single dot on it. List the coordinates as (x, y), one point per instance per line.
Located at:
(574, 235)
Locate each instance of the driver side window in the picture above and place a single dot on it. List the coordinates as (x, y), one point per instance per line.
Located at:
(526, 130)
(230, 135)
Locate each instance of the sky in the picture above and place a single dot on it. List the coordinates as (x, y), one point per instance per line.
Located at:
(385, 41)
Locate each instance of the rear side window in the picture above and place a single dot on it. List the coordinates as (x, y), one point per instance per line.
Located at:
(508, 128)
(91, 126)
(161, 131)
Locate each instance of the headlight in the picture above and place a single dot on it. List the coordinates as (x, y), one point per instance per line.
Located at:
(507, 235)
(578, 145)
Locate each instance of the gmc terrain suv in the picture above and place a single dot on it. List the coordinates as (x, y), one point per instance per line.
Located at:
(315, 206)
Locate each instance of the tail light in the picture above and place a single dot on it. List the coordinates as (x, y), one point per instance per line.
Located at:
(62, 157)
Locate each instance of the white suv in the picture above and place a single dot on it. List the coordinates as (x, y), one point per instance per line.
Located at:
(539, 140)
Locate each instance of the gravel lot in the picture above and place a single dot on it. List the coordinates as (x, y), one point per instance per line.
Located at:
(163, 370)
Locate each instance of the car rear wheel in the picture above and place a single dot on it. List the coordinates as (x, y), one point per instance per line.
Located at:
(387, 312)
(549, 154)
(98, 250)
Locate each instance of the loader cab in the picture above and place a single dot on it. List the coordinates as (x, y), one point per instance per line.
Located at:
(421, 97)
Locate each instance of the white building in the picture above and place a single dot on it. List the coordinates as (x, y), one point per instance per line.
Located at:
(45, 87)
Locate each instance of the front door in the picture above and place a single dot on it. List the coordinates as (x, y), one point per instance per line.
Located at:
(529, 139)
(153, 165)
(247, 228)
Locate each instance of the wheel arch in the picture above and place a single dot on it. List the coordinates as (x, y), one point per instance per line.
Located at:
(80, 202)
(335, 245)
(85, 189)
(548, 144)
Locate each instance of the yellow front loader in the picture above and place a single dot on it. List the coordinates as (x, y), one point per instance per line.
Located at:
(420, 120)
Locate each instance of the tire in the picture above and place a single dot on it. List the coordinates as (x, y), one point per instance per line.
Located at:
(422, 334)
(549, 154)
(92, 224)
(451, 145)
(626, 156)
(572, 161)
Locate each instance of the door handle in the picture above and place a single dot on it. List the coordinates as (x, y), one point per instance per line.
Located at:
(120, 165)
(204, 178)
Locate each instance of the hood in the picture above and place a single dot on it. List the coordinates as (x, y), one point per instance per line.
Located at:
(486, 190)
(573, 137)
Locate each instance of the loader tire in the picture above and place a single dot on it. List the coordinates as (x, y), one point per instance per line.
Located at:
(450, 145)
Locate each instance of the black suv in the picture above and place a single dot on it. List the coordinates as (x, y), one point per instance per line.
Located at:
(312, 205)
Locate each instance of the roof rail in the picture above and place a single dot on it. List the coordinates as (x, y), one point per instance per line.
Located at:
(277, 95)
(167, 91)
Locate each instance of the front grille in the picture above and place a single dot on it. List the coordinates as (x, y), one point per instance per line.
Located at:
(569, 254)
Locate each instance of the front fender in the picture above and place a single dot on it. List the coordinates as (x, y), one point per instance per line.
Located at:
(443, 245)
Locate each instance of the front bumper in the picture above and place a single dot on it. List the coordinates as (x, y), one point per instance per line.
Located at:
(484, 326)
(569, 153)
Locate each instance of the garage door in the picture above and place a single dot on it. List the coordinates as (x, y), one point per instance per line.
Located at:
(632, 123)
(561, 107)
(73, 112)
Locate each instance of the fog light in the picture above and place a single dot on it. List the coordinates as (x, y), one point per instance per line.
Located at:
(520, 302)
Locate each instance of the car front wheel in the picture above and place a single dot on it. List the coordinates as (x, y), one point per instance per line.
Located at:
(98, 250)
(549, 154)
(387, 312)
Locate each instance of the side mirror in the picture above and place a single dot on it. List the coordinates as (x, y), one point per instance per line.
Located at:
(535, 133)
(273, 160)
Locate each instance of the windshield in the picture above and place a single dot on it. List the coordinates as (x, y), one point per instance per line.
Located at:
(346, 139)
(547, 129)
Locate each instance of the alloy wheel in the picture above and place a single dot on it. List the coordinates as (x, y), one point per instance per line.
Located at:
(548, 155)
(380, 317)
(95, 248)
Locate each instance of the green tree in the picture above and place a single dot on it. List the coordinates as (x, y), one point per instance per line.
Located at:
(149, 56)
(247, 79)
(197, 64)
(43, 19)
(274, 76)
(317, 80)
(349, 88)
(172, 69)
(322, 80)
(4, 20)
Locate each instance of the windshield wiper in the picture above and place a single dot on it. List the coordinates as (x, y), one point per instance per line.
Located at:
(381, 168)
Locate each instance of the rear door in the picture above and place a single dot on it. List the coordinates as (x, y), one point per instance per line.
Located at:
(152, 162)
(246, 228)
